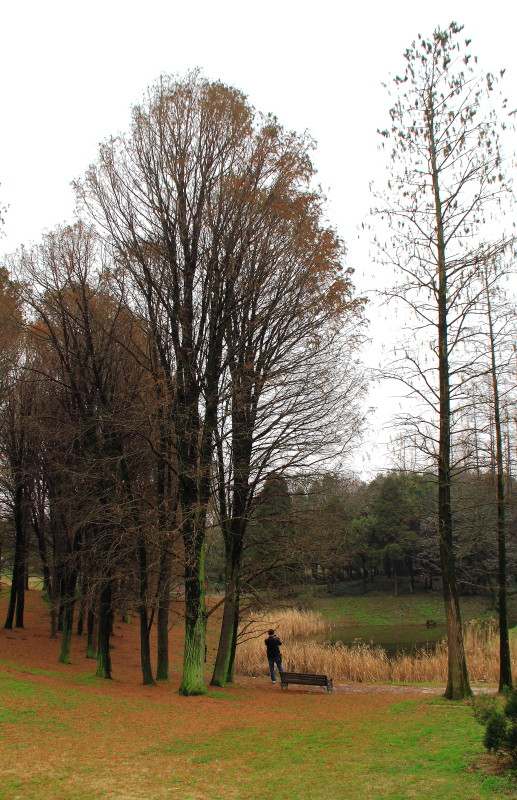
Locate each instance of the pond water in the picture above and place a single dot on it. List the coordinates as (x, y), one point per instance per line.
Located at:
(393, 638)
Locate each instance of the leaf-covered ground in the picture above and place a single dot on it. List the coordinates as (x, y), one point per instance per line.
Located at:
(66, 735)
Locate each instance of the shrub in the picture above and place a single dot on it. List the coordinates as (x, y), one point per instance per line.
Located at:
(510, 708)
(484, 706)
(500, 725)
(495, 732)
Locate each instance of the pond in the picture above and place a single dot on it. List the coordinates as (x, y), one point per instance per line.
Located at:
(393, 638)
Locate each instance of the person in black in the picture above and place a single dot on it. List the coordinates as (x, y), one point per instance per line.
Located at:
(274, 655)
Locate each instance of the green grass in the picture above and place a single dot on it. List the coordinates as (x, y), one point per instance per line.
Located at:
(30, 670)
(425, 759)
(383, 609)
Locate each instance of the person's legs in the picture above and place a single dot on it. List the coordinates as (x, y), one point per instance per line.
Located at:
(272, 669)
(279, 664)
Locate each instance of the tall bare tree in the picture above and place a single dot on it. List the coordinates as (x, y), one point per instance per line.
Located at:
(499, 325)
(85, 339)
(446, 174)
(198, 185)
(293, 392)
(15, 402)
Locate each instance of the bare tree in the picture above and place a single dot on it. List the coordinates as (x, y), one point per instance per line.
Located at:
(445, 177)
(197, 187)
(499, 323)
(16, 480)
(15, 402)
(85, 336)
(293, 408)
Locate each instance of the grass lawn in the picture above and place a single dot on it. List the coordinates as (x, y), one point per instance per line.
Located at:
(65, 735)
(377, 608)
(110, 742)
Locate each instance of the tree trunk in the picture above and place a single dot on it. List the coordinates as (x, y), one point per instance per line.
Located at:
(92, 634)
(458, 686)
(164, 592)
(68, 621)
(505, 661)
(195, 459)
(233, 650)
(193, 679)
(145, 648)
(54, 605)
(16, 606)
(457, 679)
(222, 661)
(103, 651)
(145, 628)
(47, 576)
(226, 646)
(80, 620)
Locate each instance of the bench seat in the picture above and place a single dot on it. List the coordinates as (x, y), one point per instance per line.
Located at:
(306, 679)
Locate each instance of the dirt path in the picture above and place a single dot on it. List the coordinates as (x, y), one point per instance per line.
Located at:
(361, 688)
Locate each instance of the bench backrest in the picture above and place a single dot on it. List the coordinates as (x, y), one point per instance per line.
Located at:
(303, 677)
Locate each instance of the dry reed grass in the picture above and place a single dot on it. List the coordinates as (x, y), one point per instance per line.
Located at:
(289, 624)
(362, 662)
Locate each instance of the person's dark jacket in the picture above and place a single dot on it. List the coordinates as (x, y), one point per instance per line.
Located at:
(273, 646)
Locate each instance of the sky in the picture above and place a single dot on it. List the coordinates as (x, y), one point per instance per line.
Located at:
(71, 71)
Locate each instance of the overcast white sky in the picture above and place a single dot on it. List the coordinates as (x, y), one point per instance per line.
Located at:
(70, 72)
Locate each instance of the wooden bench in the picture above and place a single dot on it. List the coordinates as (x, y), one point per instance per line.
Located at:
(305, 680)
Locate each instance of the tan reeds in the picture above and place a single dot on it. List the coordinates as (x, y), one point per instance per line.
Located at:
(362, 662)
(289, 623)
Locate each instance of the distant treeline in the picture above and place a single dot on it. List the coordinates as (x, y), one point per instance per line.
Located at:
(336, 530)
